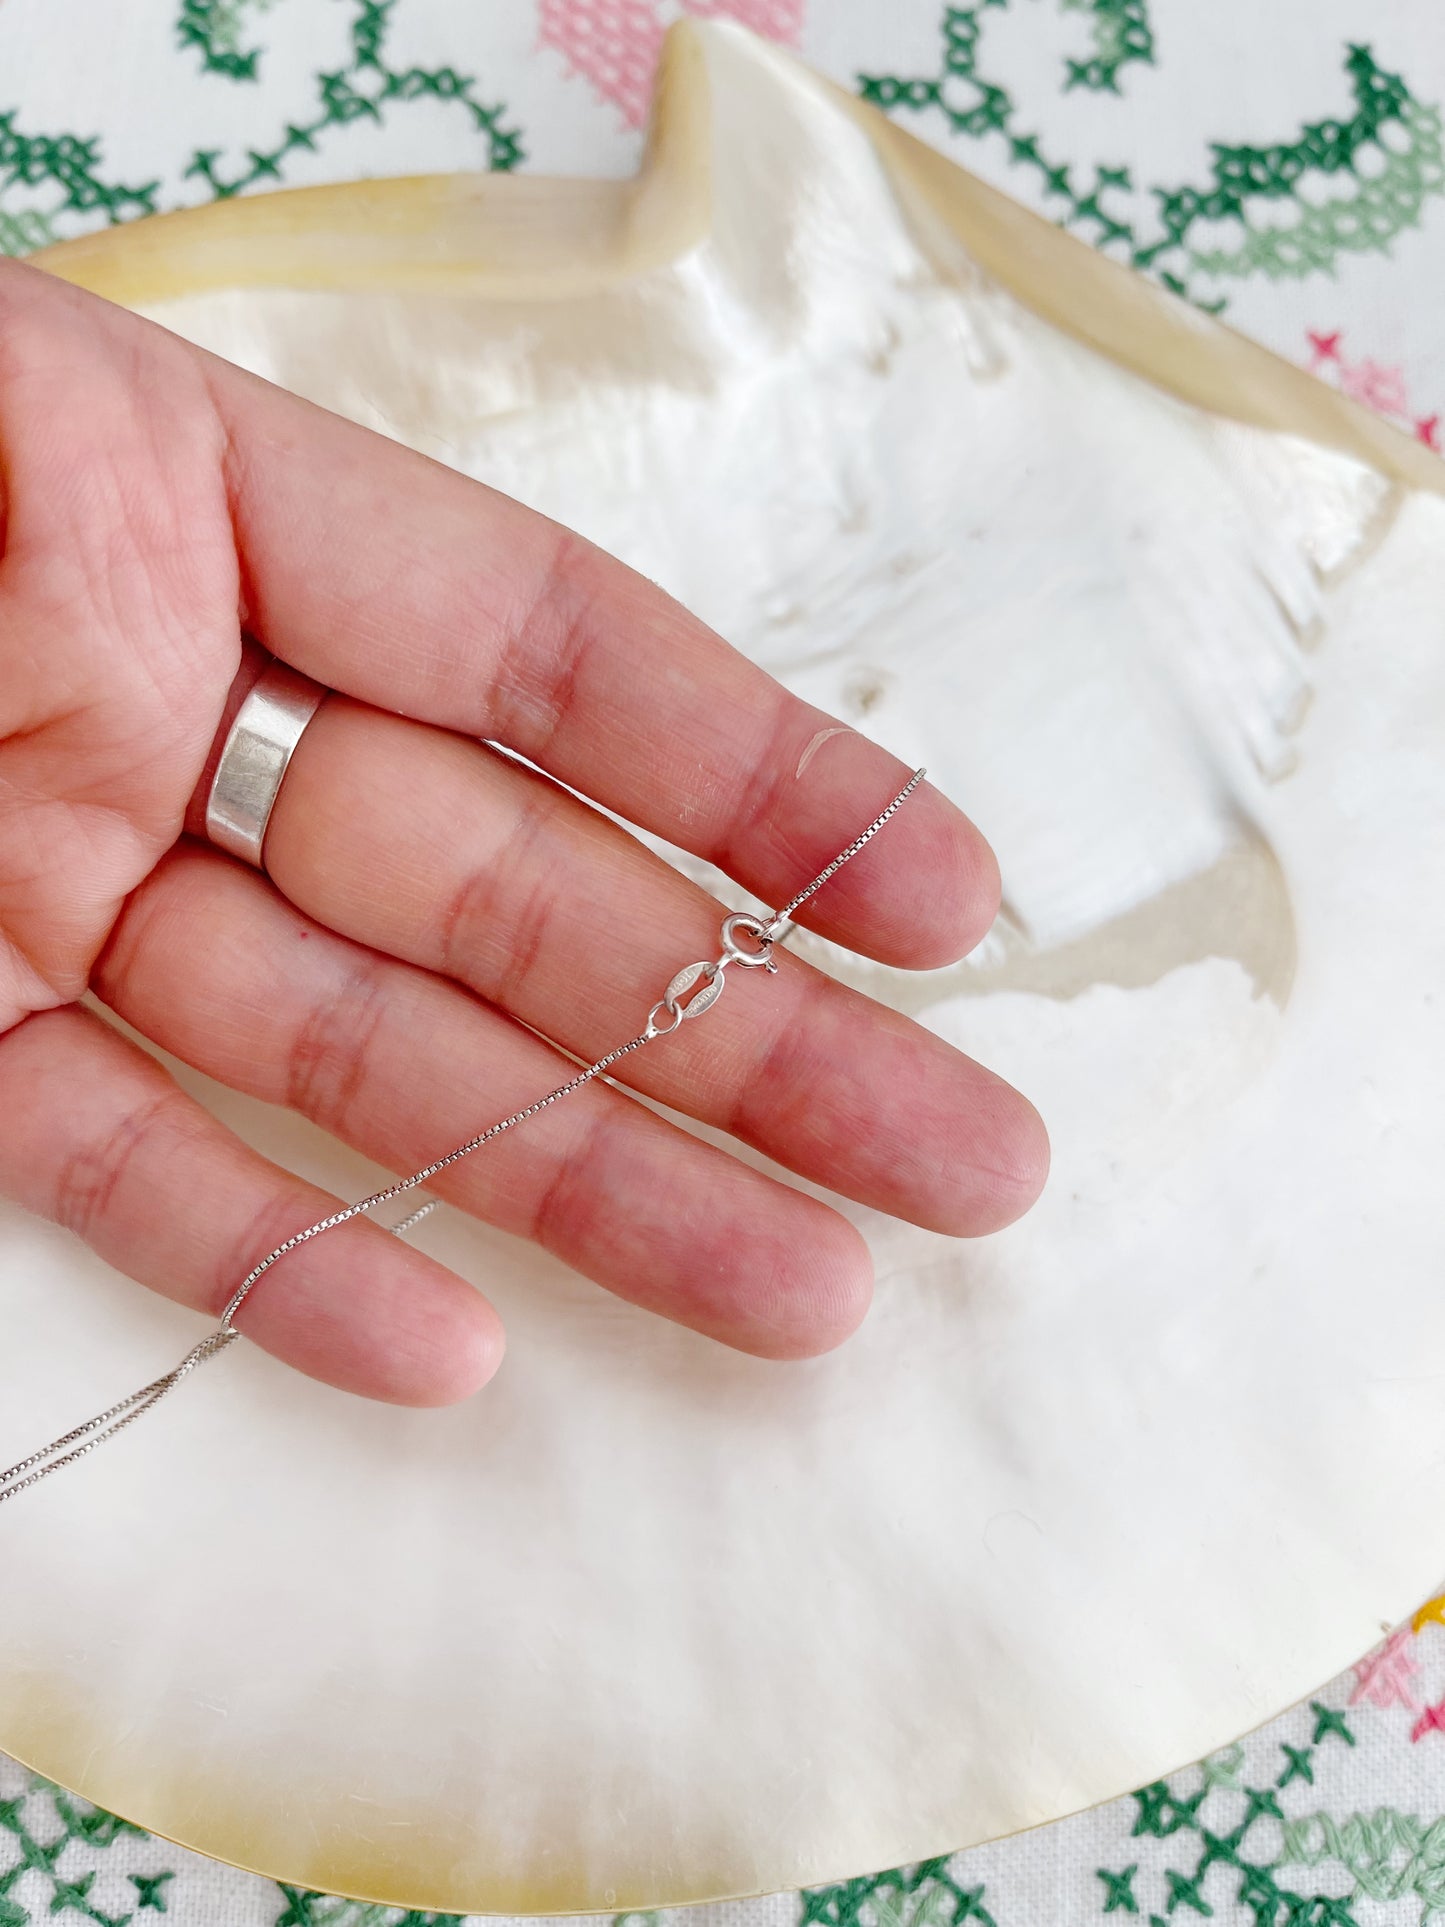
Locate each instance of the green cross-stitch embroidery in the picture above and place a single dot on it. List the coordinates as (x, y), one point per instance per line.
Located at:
(305, 1909)
(1220, 1847)
(365, 88)
(1160, 1813)
(74, 1894)
(1185, 1893)
(213, 28)
(1380, 162)
(1389, 1855)
(30, 1820)
(1121, 34)
(1261, 1801)
(1223, 1768)
(922, 1896)
(1119, 1890)
(1329, 1719)
(82, 1821)
(46, 177)
(149, 1887)
(54, 185)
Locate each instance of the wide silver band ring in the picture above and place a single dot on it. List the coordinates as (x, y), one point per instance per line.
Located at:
(258, 746)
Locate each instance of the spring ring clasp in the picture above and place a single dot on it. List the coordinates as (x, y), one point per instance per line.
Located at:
(758, 931)
(698, 986)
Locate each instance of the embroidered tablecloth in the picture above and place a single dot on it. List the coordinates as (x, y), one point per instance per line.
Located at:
(1281, 165)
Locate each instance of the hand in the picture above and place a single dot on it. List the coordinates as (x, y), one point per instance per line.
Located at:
(431, 904)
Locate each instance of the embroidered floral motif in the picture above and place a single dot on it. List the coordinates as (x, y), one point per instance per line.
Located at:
(1383, 1676)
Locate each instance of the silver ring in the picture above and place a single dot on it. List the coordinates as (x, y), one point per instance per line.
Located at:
(258, 746)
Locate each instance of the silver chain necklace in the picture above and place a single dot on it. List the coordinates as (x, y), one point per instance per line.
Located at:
(747, 941)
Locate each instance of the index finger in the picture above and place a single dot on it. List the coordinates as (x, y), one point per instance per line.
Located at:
(385, 574)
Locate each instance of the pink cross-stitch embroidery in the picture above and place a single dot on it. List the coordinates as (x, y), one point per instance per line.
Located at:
(1432, 1720)
(615, 43)
(1384, 1676)
(1379, 385)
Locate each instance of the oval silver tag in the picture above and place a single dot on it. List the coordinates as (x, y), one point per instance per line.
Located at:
(684, 981)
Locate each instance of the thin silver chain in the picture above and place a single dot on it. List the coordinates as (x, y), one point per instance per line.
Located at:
(853, 848)
(747, 941)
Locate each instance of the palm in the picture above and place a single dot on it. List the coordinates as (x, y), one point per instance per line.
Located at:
(118, 596)
(429, 900)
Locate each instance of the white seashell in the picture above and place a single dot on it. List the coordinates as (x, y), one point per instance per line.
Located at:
(651, 1621)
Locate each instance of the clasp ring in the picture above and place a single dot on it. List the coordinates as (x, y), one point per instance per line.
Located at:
(755, 928)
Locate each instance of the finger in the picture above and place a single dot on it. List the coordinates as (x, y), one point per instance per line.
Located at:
(405, 1066)
(99, 1137)
(384, 574)
(416, 842)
